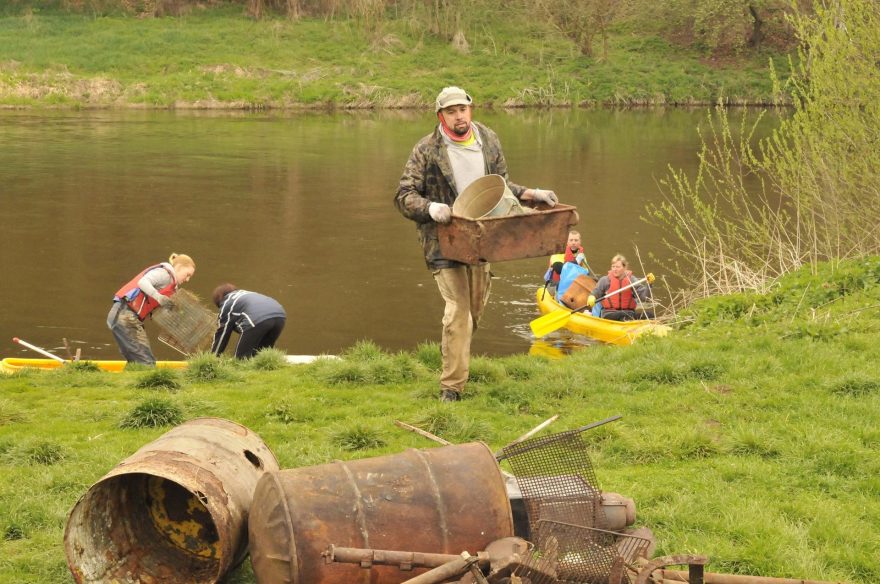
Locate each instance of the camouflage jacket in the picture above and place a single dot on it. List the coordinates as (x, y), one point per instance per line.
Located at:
(427, 178)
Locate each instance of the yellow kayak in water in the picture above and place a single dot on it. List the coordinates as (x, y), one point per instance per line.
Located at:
(14, 364)
(607, 331)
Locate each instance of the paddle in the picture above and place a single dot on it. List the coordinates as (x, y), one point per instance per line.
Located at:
(37, 349)
(559, 318)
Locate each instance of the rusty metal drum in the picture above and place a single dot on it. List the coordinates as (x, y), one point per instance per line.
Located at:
(174, 511)
(442, 500)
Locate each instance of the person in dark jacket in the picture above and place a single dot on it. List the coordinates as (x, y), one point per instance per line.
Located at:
(257, 318)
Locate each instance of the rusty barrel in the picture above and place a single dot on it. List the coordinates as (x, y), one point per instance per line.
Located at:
(174, 511)
(442, 500)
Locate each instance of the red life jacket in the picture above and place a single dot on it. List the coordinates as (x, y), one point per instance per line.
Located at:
(622, 301)
(571, 256)
(568, 256)
(140, 303)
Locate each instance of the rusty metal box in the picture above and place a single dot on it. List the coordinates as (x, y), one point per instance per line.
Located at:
(542, 231)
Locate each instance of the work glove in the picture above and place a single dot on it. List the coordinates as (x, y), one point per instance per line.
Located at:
(440, 212)
(549, 274)
(580, 258)
(650, 278)
(591, 301)
(546, 197)
(167, 302)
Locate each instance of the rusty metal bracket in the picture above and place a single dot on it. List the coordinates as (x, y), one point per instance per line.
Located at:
(694, 563)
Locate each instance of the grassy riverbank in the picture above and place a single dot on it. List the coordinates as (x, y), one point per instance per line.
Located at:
(220, 58)
(750, 434)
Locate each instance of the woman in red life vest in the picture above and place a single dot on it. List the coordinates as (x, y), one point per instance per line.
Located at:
(151, 288)
(622, 305)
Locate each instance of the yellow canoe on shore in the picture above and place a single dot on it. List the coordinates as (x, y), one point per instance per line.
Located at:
(14, 364)
(607, 331)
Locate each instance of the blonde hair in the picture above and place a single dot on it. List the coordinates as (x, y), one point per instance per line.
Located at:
(573, 232)
(181, 259)
(621, 259)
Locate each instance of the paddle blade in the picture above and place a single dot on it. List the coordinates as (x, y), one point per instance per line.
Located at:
(550, 322)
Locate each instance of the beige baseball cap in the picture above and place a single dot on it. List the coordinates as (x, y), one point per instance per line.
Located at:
(452, 96)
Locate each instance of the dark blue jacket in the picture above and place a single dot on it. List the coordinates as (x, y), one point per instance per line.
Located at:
(241, 311)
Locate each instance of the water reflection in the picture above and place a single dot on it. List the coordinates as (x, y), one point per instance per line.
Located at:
(297, 206)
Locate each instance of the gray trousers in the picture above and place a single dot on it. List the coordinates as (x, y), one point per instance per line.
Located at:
(130, 335)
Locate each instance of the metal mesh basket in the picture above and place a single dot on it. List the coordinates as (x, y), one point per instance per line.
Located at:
(189, 326)
(572, 554)
(556, 479)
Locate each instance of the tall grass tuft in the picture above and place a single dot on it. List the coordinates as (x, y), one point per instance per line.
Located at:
(209, 367)
(153, 413)
(9, 414)
(454, 427)
(358, 437)
(43, 452)
(430, 356)
(159, 378)
(13, 532)
(363, 351)
(268, 359)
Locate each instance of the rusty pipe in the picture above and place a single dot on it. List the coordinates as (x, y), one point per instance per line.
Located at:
(406, 561)
(678, 576)
(451, 569)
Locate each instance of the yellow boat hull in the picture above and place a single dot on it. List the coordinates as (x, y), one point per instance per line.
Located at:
(13, 364)
(607, 331)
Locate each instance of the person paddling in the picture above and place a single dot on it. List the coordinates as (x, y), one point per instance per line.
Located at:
(619, 306)
(150, 289)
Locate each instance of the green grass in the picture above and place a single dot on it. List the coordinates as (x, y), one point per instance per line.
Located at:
(739, 439)
(219, 58)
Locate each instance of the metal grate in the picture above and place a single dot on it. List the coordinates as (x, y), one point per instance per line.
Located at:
(556, 479)
(189, 326)
(572, 554)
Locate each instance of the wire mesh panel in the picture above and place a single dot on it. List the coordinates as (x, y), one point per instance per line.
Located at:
(556, 479)
(189, 326)
(573, 554)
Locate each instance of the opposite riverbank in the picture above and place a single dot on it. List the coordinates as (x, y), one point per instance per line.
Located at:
(219, 58)
(747, 434)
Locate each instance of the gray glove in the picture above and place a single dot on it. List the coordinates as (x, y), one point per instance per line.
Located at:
(167, 302)
(440, 212)
(546, 197)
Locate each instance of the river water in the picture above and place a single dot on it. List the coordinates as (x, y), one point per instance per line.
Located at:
(296, 206)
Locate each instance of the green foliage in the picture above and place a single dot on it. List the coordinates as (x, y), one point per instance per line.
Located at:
(268, 359)
(806, 194)
(771, 436)
(153, 413)
(9, 414)
(430, 356)
(358, 437)
(13, 532)
(367, 364)
(207, 367)
(159, 378)
(512, 51)
(82, 367)
(44, 452)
